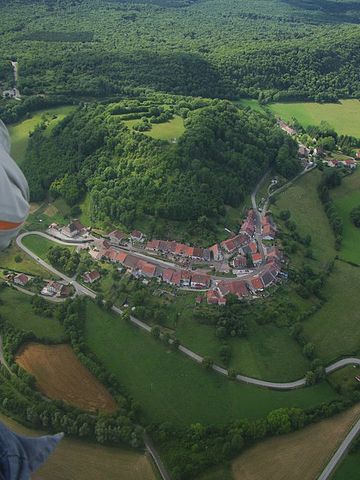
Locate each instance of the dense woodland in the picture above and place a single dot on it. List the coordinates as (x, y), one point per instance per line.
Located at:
(215, 163)
(278, 49)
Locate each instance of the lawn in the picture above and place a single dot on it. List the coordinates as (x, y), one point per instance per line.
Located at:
(26, 264)
(20, 132)
(350, 467)
(346, 197)
(16, 308)
(298, 456)
(173, 129)
(335, 329)
(309, 215)
(40, 246)
(80, 460)
(170, 387)
(344, 116)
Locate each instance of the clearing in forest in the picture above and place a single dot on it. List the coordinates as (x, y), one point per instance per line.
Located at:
(300, 456)
(61, 376)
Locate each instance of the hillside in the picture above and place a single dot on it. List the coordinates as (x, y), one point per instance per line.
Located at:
(292, 49)
(214, 163)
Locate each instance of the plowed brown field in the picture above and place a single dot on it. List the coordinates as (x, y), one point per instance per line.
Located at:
(61, 376)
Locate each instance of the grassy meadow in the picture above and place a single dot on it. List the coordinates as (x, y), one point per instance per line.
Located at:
(349, 468)
(20, 132)
(347, 197)
(339, 318)
(16, 308)
(166, 383)
(81, 460)
(307, 212)
(23, 262)
(169, 131)
(41, 246)
(344, 116)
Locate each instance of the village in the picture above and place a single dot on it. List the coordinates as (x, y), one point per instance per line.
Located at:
(245, 264)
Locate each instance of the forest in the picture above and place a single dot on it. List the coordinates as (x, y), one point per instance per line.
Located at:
(219, 158)
(277, 50)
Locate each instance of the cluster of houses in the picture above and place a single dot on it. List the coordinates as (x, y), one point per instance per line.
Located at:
(144, 268)
(266, 277)
(347, 163)
(50, 289)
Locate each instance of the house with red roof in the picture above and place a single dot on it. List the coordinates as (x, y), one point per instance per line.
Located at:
(256, 259)
(232, 244)
(214, 298)
(91, 277)
(21, 279)
(236, 287)
(167, 275)
(200, 280)
(116, 237)
(216, 253)
(176, 278)
(131, 262)
(137, 236)
(256, 285)
(185, 278)
(239, 262)
(146, 269)
(121, 257)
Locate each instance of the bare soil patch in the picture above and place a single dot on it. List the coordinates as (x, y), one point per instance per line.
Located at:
(300, 456)
(61, 376)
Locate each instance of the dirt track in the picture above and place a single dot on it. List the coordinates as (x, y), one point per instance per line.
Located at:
(61, 376)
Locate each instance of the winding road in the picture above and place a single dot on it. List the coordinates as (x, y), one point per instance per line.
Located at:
(82, 290)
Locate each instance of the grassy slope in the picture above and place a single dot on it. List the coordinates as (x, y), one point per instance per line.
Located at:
(40, 246)
(349, 469)
(268, 352)
(165, 383)
(80, 460)
(16, 308)
(27, 265)
(20, 132)
(340, 316)
(309, 216)
(346, 197)
(343, 116)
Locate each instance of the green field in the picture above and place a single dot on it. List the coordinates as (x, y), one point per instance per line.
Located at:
(40, 246)
(16, 308)
(349, 469)
(335, 329)
(308, 214)
(170, 387)
(170, 130)
(346, 197)
(81, 460)
(20, 132)
(344, 116)
(26, 265)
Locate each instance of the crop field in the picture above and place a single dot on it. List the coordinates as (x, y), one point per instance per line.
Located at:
(20, 132)
(80, 460)
(23, 264)
(40, 245)
(165, 383)
(61, 376)
(300, 456)
(308, 214)
(16, 308)
(344, 116)
(339, 317)
(347, 197)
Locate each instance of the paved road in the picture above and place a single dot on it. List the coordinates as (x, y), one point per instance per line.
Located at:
(155, 456)
(80, 289)
(16, 76)
(2, 358)
(258, 216)
(340, 452)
